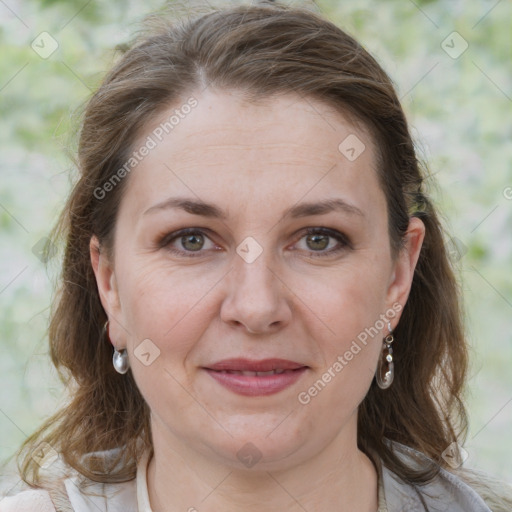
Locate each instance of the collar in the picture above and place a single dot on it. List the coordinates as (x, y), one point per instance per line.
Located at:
(142, 484)
(445, 492)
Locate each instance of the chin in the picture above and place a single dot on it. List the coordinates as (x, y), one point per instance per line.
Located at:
(260, 444)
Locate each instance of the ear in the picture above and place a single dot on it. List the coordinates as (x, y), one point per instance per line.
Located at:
(107, 286)
(404, 265)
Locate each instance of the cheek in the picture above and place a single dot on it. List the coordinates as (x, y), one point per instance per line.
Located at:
(351, 307)
(348, 300)
(164, 304)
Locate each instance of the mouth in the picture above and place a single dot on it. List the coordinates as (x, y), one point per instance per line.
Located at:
(256, 377)
(277, 371)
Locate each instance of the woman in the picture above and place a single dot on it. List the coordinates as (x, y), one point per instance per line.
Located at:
(257, 308)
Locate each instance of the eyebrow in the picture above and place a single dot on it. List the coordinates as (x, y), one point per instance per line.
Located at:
(204, 209)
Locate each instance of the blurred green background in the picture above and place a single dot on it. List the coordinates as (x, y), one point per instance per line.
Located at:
(457, 92)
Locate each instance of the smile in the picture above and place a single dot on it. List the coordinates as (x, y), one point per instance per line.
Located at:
(256, 378)
(256, 374)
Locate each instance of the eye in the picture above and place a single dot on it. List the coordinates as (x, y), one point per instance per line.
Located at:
(187, 242)
(193, 242)
(317, 240)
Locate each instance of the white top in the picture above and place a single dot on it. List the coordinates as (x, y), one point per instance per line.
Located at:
(142, 485)
(445, 492)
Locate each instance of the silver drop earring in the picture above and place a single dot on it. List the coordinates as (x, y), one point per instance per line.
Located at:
(120, 361)
(120, 357)
(386, 368)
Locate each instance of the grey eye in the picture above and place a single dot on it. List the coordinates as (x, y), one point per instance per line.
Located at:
(192, 242)
(317, 242)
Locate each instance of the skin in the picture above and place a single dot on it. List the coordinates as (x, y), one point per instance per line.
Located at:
(254, 161)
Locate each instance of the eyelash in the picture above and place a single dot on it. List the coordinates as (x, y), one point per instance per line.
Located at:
(343, 240)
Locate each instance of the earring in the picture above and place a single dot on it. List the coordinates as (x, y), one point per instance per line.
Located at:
(120, 357)
(120, 361)
(386, 368)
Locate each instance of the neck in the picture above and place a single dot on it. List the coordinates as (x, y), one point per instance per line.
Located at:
(338, 479)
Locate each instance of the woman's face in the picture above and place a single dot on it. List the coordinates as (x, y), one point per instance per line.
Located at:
(248, 289)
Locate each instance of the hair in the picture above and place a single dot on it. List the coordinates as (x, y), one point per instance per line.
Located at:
(260, 50)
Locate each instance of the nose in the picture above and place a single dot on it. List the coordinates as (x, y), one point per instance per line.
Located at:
(256, 300)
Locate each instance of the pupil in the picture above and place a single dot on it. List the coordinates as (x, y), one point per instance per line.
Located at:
(193, 239)
(319, 241)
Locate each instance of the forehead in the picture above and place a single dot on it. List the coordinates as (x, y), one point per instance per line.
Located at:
(278, 149)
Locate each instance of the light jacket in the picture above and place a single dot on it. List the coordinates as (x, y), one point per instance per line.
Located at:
(454, 491)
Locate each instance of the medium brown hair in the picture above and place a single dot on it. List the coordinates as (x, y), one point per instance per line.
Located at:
(261, 50)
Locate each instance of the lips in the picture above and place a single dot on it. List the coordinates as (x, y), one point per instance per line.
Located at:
(250, 365)
(256, 377)
(255, 374)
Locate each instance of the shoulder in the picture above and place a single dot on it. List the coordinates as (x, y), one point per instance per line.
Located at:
(497, 495)
(34, 500)
(62, 489)
(461, 490)
(74, 495)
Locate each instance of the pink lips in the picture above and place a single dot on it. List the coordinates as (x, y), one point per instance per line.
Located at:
(256, 378)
